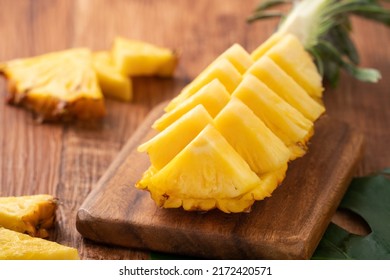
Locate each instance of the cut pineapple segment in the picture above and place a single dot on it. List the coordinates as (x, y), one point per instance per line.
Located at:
(267, 45)
(212, 96)
(291, 56)
(19, 246)
(111, 81)
(166, 145)
(60, 85)
(33, 215)
(238, 56)
(222, 70)
(285, 86)
(251, 138)
(137, 58)
(284, 120)
(206, 169)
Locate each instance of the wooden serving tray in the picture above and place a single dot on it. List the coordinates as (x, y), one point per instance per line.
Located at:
(288, 225)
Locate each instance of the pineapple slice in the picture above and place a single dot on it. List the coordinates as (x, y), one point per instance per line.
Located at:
(33, 215)
(285, 86)
(291, 56)
(207, 173)
(111, 81)
(284, 120)
(251, 138)
(212, 96)
(222, 70)
(267, 45)
(173, 139)
(60, 85)
(137, 58)
(19, 246)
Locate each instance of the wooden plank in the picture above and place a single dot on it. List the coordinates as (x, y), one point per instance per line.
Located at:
(288, 225)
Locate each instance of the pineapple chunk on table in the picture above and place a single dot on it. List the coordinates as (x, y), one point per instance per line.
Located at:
(111, 81)
(19, 246)
(33, 214)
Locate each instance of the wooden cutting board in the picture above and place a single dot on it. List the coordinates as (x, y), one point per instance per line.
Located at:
(288, 225)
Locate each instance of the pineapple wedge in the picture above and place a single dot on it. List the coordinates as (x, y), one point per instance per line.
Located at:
(19, 246)
(251, 138)
(111, 81)
(60, 85)
(286, 122)
(285, 86)
(212, 96)
(137, 58)
(222, 69)
(33, 215)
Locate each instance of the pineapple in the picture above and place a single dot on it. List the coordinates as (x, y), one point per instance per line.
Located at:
(285, 86)
(112, 83)
(212, 96)
(33, 215)
(60, 85)
(266, 46)
(286, 122)
(222, 69)
(137, 58)
(19, 246)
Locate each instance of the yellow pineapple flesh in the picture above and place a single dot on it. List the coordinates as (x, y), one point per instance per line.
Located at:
(19, 246)
(266, 46)
(238, 56)
(33, 215)
(111, 81)
(60, 85)
(212, 96)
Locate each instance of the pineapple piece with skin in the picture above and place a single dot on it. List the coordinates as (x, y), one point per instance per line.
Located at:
(222, 69)
(212, 96)
(19, 246)
(33, 215)
(173, 139)
(286, 122)
(280, 82)
(112, 83)
(251, 138)
(60, 85)
(207, 173)
(138, 58)
(291, 56)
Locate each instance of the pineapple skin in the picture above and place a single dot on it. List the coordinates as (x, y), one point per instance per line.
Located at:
(19, 246)
(32, 215)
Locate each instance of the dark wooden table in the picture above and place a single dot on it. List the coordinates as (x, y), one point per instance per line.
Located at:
(66, 160)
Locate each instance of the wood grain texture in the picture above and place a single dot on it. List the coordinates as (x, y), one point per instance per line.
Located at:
(68, 160)
(289, 225)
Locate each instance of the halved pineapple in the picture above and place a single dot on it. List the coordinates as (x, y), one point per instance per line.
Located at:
(285, 86)
(222, 69)
(111, 81)
(33, 215)
(291, 56)
(138, 58)
(286, 122)
(251, 138)
(59, 85)
(207, 173)
(19, 246)
(173, 139)
(212, 96)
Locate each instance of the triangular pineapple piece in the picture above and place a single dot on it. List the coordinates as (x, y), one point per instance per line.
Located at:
(138, 58)
(285, 121)
(264, 47)
(167, 144)
(251, 138)
(111, 81)
(285, 86)
(291, 56)
(28, 214)
(222, 69)
(212, 96)
(60, 85)
(19, 246)
(207, 172)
